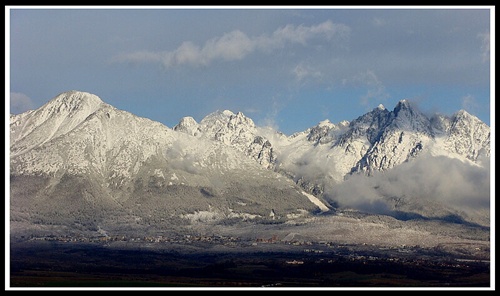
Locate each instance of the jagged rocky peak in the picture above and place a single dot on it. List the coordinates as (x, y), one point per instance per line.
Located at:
(404, 103)
(187, 121)
(440, 123)
(326, 123)
(226, 117)
(320, 133)
(240, 118)
(405, 108)
(187, 125)
(407, 116)
(463, 119)
(216, 119)
(227, 113)
(326, 131)
(464, 115)
(374, 115)
(223, 115)
(462, 112)
(469, 136)
(227, 125)
(344, 123)
(370, 123)
(443, 123)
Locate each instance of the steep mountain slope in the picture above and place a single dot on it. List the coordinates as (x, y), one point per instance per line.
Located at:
(78, 160)
(328, 153)
(58, 117)
(80, 163)
(325, 155)
(235, 130)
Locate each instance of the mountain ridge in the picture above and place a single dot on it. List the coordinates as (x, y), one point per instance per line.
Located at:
(223, 167)
(460, 135)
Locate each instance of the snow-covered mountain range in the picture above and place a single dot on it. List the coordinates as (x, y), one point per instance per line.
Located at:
(376, 141)
(78, 160)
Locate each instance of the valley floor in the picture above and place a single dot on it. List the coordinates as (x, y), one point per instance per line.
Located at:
(37, 264)
(347, 250)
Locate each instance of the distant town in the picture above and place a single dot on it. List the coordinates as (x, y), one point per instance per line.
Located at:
(363, 253)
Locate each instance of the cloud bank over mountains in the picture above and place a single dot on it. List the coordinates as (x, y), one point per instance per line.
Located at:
(236, 45)
(426, 180)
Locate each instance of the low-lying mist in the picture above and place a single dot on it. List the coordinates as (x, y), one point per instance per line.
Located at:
(449, 182)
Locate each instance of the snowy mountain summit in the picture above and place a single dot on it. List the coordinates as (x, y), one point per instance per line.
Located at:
(376, 141)
(77, 158)
(235, 130)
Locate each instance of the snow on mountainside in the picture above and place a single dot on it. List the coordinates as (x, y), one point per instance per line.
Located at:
(465, 135)
(381, 140)
(78, 157)
(328, 153)
(82, 157)
(56, 118)
(235, 130)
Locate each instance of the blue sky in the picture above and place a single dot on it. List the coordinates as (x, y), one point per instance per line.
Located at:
(290, 68)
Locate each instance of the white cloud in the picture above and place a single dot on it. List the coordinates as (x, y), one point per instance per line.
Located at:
(304, 71)
(270, 121)
(186, 53)
(301, 34)
(485, 46)
(236, 45)
(231, 46)
(20, 103)
(438, 179)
